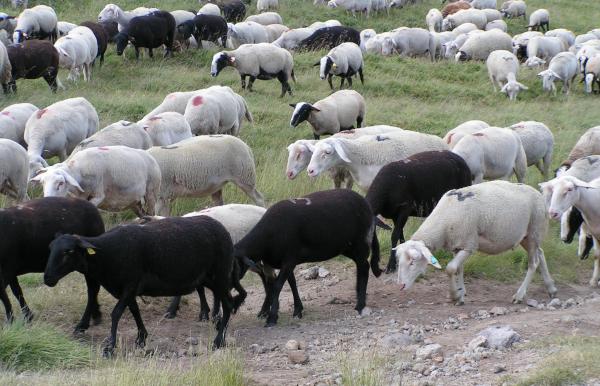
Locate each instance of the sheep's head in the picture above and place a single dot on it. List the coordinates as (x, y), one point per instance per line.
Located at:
(326, 64)
(512, 89)
(56, 182)
(326, 154)
(447, 25)
(219, 62)
(301, 112)
(121, 40)
(561, 193)
(332, 4)
(548, 77)
(461, 56)
(534, 61)
(299, 154)
(413, 258)
(186, 29)
(109, 13)
(67, 254)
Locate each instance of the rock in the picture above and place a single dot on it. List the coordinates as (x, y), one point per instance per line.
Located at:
(366, 311)
(438, 359)
(337, 300)
(311, 273)
(397, 340)
(192, 340)
(482, 314)
(292, 345)
(419, 368)
(499, 311)
(297, 357)
(499, 368)
(532, 303)
(463, 317)
(567, 319)
(500, 337)
(556, 303)
(478, 341)
(570, 302)
(322, 272)
(429, 351)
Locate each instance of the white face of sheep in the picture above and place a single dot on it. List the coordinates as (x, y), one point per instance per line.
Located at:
(332, 4)
(56, 182)
(326, 154)
(512, 89)
(298, 159)
(589, 83)
(109, 13)
(387, 47)
(548, 77)
(560, 194)
(413, 258)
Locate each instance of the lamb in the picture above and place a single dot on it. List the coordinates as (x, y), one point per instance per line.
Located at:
(263, 61)
(493, 153)
(5, 69)
(365, 156)
(34, 224)
(434, 20)
(247, 32)
(332, 114)
(14, 170)
(274, 31)
(216, 110)
(74, 54)
(513, 9)
(469, 127)
(344, 61)
(122, 133)
(563, 67)
(592, 73)
(39, 22)
(566, 35)
(305, 221)
(496, 24)
(539, 19)
(352, 6)
(543, 48)
(414, 42)
(212, 28)
(452, 8)
(266, 18)
(175, 102)
(265, 5)
(34, 59)
(538, 143)
(151, 31)
(112, 12)
(201, 166)
(57, 129)
(474, 219)
(480, 46)
(503, 67)
(292, 38)
(169, 257)
(588, 144)
(329, 37)
(13, 119)
(209, 9)
(413, 186)
(101, 36)
(166, 128)
(475, 16)
(113, 178)
(63, 28)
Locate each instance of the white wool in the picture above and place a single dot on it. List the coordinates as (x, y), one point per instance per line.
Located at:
(166, 128)
(275, 31)
(238, 219)
(587, 144)
(210, 9)
(112, 12)
(266, 18)
(496, 24)
(434, 20)
(64, 27)
(14, 170)
(475, 16)
(538, 17)
(566, 35)
(352, 6)
(414, 42)
(480, 46)
(175, 101)
(5, 66)
(121, 133)
(469, 127)
(13, 119)
(247, 32)
(346, 57)
(514, 8)
(492, 14)
(484, 4)
(564, 67)
(75, 55)
(538, 143)
(265, 5)
(545, 47)
(40, 18)
(290, 39)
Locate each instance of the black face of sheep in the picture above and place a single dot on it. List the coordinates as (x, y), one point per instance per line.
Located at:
(325, 66)
(220, 61)
(462, 56)
(186, 29)
(122, 39)
(301, 113)
(19, 36)
(67, 254)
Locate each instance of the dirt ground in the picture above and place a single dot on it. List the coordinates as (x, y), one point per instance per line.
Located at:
(399, 323)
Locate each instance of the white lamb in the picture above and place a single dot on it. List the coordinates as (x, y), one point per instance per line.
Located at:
(496, 24)
(491, 218)
(112, 12)
(113, 178)
(166, 128)
(57, 129)
(538, 143)
(513, 9)
(484, 4)
(201, 166)
(592, 73)
(381, 44)
(14, 170)
(469, 127)
(503, 67)
(13, 119)
(493, 153)
(121, 133)
(563, 67)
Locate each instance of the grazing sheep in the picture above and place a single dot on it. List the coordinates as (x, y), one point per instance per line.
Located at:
(167, 257)
(112, 12)
(323, 24)
(182, 17)
(212, 28)
(265, 5)
(113, 178)
(209, 9)
(514, 8)
(538, 143)
(332, 114)
(57, 129)
(101, 36)
(266, 18)
(234, 11)
(541, 49)
(344, 61)
(480, 46)
(413, 186)
(352, 6)
(34, 59)
(469, 127)
(175, 101)
(365, 156)
(434, 20)
(475, 16)
(88, 35)
(492, 217)
(14, 170)
(492, 15)
(28, 229)
(292, 38)
(13, 119)
(496, 24)
(123, 133)
(306, 222)
(592, 73)
(201, 166)
(563, 67)
(63, 28)
(329, 37)
(150, 31)
(216, 110)
(452, 8)
(566, 35)
(39, 22)
(503, 67)
(583, 55)
(74, 54)
(262, 61)
(166, 128)
(588, 144)
(414, 42)
(484, 4)
(274, 31)
(379, 6)
(247, 32)
(493, 153)
(381, 44)
(451, 47)
(539, 19)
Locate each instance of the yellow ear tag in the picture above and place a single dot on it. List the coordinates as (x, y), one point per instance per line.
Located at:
(91, 251)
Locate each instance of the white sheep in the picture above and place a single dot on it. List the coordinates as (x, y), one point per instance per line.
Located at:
(592, 73)
(365, 156)
(563, 67)
(450, 48)
(587, 144)
(475, 16)
(57, 129)
(469, 127)
(74, 54)
(580, 39)
(380, 5)
(381, 44)
(365, 35)
(275, 31)
(121, 133)
(265, 5)
(541, 49)
(503, 67)
(496, 24)
(480, 46)
(414, 42)
(112, 178)
(323, 24)
(216, 110)
(352, 6)
(39, 22)
(345, 61)
(583, 55)
(538, 143)
(493, 153)
(491, 218)
(247, 32)
(539, 19)
(434, 20)
(166, 128)
(63, 28)
(13, 119)
(201, 166)
(266, 18)
(5, 68)
(14, 170)
(175, 101)
(112, 12)
(492, 15)
(209, 9)
(484, 4)
(566, 35)
(337, 112)
(464, 28)
(513, 9)
(520, 42)
(291, 38)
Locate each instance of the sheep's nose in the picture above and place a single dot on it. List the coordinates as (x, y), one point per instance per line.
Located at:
(554, 215)
(290, 174)
(322, 78)
(311, 172)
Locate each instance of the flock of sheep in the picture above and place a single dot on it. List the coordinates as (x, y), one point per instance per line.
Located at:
(188, 146)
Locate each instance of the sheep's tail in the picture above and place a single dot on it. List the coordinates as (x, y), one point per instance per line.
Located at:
(247, 113)
(375, 254)
(293, 76)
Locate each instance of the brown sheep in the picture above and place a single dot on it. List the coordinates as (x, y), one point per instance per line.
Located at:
(455, 7)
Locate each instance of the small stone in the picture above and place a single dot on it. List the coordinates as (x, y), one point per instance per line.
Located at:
(298, 357)
(463, 317)
(478, 341)
(499, 311)
(500, 337)
(427, 352)
(336, 300)
(482, 314)
(192, 340)
(366, 311)
(499, 368)
(311, 273)
(397, 340)
(570, 302)
(556, 303)
(322, 272)
(567, 319)
(292, 345)
(532, 303)
(419, 368)
(438, 359)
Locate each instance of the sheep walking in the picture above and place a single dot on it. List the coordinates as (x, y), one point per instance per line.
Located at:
(539, 19)
(112, 12)
(344, 61)
(492, 217)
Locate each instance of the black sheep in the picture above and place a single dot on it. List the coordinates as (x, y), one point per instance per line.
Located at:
(413, 186)
(170, 257)
(316, 227)
(33, 59)
(28, 229)
(329, 37)
(233, 10)
(101, 37)
(111, 28)
(211, 28)
(149, 31)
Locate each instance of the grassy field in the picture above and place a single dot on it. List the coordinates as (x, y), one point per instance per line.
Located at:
(411, 93)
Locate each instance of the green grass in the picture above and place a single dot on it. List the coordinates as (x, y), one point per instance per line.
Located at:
(362, 369)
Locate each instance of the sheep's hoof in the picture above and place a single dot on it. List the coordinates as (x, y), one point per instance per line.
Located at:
(298, 314)
(262, 314)
(459, 303)
(170, 315)
(517, 299)
(594, 282)
(108, 351)
(203, 316)
(390, 269)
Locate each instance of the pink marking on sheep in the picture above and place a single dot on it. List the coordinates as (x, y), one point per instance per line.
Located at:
(41, 113)
(197, 101)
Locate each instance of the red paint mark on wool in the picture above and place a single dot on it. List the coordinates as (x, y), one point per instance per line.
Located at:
(479, 134)
(155, 118)
(450, 138)
(6, 113)
(103, 148)
(197, 101)
(41, 112)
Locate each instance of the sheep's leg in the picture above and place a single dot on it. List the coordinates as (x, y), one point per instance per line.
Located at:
(217, 197)
(360, 74)
(140, 340)
(18, 292)
(6, 301)
(264, 310)
(251, 82)
(115, 315)
(548, 281)
(298, 307)
(221, 291)
(243, 80)
(174, 307)
(359, 121)
(329, 76)
(316, 136)
(150, 53)
(596, 273)
(397, 236)
(457, 291)
(360, 257)
(92, 308)
(276, 290)
(204, 308)
(251, 192)
(349, 78)
(493, 82)
(137, 53)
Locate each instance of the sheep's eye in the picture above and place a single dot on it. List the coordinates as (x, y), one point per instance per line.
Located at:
(412, 262)
(328, 151)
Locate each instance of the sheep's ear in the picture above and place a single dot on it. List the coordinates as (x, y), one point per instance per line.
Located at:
(39, 176)
(315, 109)
(89, 247)
(293, 105)
(555, 75)
(310, 147)
(340, 150)
(72, 181)
(433, 261)
(232, 59)
(503, 90)
(317, 64)
(523, 87)
(541, 74)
